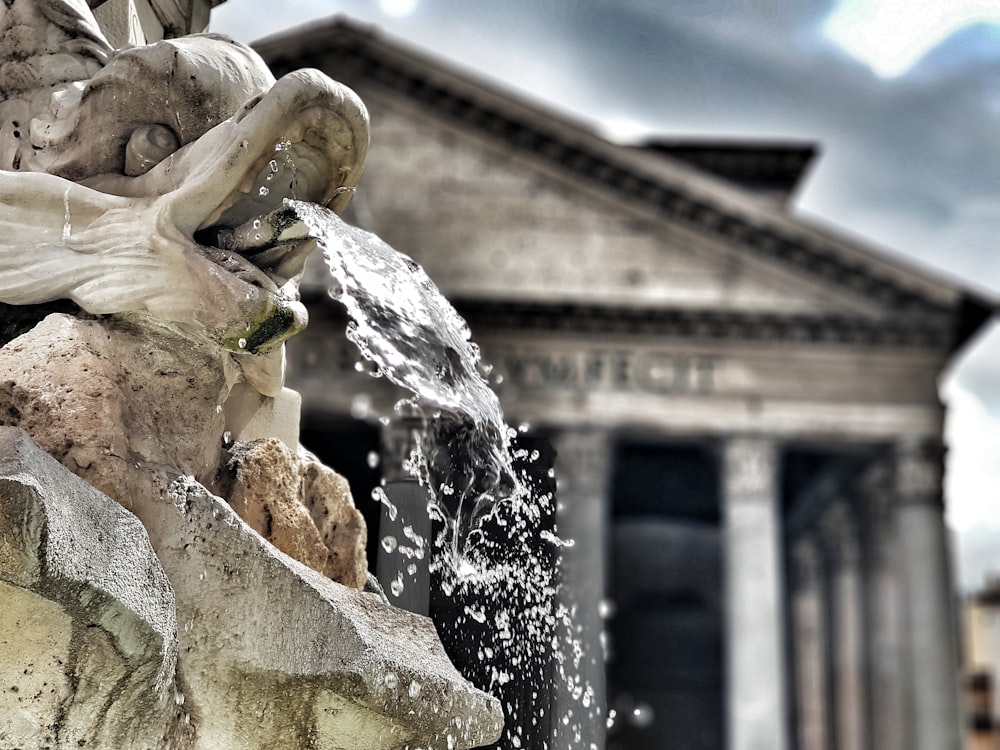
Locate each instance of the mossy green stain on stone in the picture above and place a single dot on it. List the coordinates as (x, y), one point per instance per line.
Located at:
(267, 332)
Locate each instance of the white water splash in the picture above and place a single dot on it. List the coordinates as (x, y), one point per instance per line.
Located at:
(494, 556)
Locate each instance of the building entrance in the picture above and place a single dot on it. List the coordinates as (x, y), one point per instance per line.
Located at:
(665, 674)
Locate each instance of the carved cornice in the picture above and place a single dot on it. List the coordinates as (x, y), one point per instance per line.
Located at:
(503, 316)
(356, 53)
(483, 315)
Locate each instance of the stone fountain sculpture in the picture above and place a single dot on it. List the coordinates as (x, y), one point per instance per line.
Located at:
(147, 281)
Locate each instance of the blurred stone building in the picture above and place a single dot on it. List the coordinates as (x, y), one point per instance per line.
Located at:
(744, 406)
(981, 650)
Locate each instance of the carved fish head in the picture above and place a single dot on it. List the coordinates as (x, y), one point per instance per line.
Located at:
(158, 173)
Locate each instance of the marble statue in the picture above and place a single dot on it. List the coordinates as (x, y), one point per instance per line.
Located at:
(136, 189)
(148, 280)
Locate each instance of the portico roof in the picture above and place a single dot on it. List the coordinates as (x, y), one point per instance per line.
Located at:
(678, 186)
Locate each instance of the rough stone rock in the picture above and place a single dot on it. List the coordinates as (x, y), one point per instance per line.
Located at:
(301, 507)
(105, 397)
(269, 652)
(112, 397)
(277, 655)
(327, 495)
(87, 616)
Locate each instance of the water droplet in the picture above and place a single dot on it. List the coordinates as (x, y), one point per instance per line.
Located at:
(414, 690)
(475, 614)
(396, 587)
(391, 680)
(642, 716)
(218, 408)
(272, 165)
(378, 494)
(373, 459)
(263, 190)
(411, 569)
(361, 406)
(227, 437)
(179, 698)
(242, 343)
(389, 543)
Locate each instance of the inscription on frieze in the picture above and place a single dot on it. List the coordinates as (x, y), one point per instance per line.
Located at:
(607, 370)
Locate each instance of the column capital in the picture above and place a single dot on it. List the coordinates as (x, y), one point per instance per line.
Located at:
(750, 468)
(583, 460)
(400, 439)
(877, 496)
(839, 528)
(919, 472)
(807, 559)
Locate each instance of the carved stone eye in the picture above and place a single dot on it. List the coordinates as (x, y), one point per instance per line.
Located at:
(148, 146)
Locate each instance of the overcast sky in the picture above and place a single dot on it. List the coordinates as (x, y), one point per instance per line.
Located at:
(902, 95)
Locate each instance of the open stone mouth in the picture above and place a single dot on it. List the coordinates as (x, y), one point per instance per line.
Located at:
(254, 234)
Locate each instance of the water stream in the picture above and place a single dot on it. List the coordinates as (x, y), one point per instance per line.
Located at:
(411, 335)
(495, 560)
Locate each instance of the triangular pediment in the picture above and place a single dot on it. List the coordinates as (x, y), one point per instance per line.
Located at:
(501, 200)
(488, 226)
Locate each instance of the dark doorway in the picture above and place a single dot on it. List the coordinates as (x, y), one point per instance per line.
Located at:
(665, 676)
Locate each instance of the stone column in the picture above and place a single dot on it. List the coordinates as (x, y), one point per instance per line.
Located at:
(756, 712)
(809, 643)
(403, 566)
(405, 530)
(889, 682)
(924, 554)
(583, 464)
(848, 621)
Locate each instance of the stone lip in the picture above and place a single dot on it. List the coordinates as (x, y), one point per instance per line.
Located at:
(319, 648)
(268, 652)
(88, 637)
(84, 540)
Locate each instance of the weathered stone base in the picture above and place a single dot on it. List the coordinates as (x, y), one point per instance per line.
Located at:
(115, 398)
(269, 653)
(88, 637)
